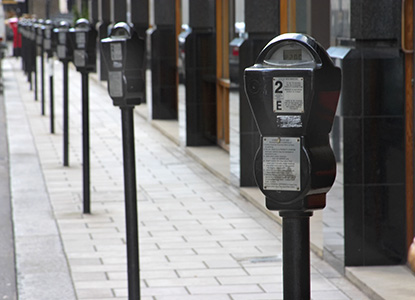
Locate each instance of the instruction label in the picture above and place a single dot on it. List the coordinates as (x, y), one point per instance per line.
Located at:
(288, 94)
(281, 163)
(115, 84)
(116, 51)
(79, 58)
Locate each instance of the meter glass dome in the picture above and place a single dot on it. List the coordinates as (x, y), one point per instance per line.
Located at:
(290, 54)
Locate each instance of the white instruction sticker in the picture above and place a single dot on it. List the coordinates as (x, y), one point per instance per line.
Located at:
(116, 51)
(79, 58)
(288, 94)
(281, 163)
(115, 84)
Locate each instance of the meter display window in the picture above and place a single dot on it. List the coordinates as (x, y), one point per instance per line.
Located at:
(291, 54)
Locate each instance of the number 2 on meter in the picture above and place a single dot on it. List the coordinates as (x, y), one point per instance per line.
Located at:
(278, 87)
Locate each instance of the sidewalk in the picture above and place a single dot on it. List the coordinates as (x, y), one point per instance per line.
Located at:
(199, 238)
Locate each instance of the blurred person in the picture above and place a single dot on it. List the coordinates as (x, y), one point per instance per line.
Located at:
(17, 37)
(411, 256)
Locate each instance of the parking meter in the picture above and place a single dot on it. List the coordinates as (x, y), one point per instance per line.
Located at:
(38, 31)
(83, 38)
(47, 30)
(124, 52)
(293, 91)
(62, 40)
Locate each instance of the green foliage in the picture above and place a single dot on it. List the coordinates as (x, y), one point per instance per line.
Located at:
(75, 13)
(83, 14)
(85, 11)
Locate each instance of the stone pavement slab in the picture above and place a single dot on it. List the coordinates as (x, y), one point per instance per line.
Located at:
(8, 288)
(41, 264)
(199, 238)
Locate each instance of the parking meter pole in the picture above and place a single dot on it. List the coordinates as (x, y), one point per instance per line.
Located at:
(296, 254)
(51, 94)
(85, 142)
(42, 80)
(127, 119)
(35, 75)
(65, 115)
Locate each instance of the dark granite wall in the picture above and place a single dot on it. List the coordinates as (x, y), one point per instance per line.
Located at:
(139, 13)
(202, 14)
(105, 20)
(120, 11)
(373, 129)
(378, 19)
(163, 62)
(200, 69)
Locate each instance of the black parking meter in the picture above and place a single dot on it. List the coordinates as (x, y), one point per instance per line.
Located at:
(47, 30)
(64, 50)
(38, 31)
(24, 28)
(83, 38)
(39, 27)
(293, 91)
(123, 53)
(65, 54)
(33, 52)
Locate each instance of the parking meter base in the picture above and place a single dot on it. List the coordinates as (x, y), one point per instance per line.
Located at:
(127, 102)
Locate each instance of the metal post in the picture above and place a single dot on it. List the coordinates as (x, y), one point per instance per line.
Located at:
(35, 69)
(127, 119)
(51, 94)
(85, 142)
(42, 80)
(296, 254)
(65, 115)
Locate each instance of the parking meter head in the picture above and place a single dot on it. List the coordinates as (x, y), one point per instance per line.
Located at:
(47, 30)
(83, 41)
(123, 53)
(32, 30)
(62, 41)
(293, 91)
(38, 31)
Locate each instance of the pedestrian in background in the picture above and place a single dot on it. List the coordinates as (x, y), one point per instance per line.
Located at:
(411, 256)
